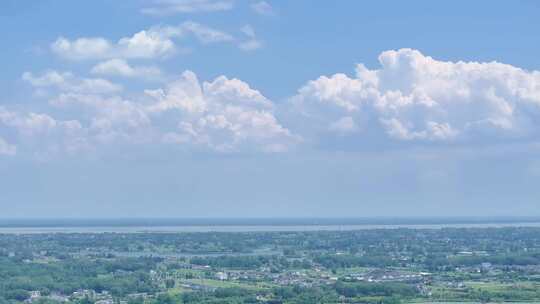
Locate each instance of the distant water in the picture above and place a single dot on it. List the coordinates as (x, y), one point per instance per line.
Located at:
(249, 228)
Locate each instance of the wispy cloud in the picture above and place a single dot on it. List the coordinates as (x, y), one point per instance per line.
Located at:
(252, 43)
(144, 44)
(205, 34)
(170, 7)
(156, 42)
(119, 67)
(65, 81)
(6, 148)
(262, 8)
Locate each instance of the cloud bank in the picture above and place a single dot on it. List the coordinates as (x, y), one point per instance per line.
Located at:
(224, 115)
(411, 99)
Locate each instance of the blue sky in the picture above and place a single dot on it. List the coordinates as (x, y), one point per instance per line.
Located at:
(222, 108)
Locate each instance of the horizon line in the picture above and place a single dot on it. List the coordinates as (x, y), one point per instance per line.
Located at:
(259, 221)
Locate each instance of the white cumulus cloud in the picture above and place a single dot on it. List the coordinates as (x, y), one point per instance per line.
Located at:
(413, 97)
(225, 115)
(110, 119)
(41, 133)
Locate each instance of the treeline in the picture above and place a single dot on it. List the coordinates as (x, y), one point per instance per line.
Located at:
(502, 259)
(290, 295)
(380, 293)
(518, 259)
(334, 261)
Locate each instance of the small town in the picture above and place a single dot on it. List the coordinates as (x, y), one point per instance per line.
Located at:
(409, 266)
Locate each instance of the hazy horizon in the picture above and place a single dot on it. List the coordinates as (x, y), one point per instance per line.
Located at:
(271, 221)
